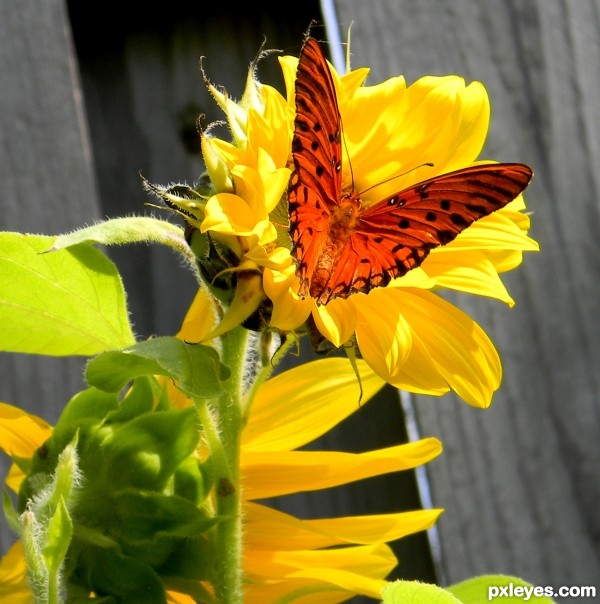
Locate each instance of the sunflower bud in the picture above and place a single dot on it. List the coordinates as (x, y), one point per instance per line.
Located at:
(139, 493)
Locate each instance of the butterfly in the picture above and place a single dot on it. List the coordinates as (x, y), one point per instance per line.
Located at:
(339, 246)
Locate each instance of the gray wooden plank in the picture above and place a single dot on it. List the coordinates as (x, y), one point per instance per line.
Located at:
(46, 173)
(520, 481)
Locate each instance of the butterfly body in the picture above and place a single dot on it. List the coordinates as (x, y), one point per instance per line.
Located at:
(343, 246)
(341, 225)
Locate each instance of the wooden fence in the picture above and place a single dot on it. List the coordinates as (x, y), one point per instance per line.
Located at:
(90, 97)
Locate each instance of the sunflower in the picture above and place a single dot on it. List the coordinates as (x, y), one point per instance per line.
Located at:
(406, 332)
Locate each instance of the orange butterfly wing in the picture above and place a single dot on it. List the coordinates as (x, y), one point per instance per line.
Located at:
(341, 249)
(316, 184)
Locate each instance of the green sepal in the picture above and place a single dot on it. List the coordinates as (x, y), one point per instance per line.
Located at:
(12, 518)
(58, 538)
(181, 199)
(189, 481)
(148, 516)
(153, 525)
(54, 474)
(64, 481)
(86, 407)
(192, 559)
(46, 525)
(196, 368)
(147, 450)
(138, 400)
(120, 576)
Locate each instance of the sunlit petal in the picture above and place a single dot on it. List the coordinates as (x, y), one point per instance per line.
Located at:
(463, 354)
(336, 321)
(271, 529)
(21, 433)
(267, 476)
(382, 332)
(302, 403)
(14, 588)
(470, 272)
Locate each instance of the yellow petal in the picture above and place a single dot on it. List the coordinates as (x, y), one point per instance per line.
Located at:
(200, 319)
(336, 321)
(350, 82)
(354, 583)
(447, 120)
(307, 590)
(461, 351)
(229, 214)
(174, 597)
(14, 478)
(246, 299)
(14, 587)
(267, 475)
(299, 405)
(273, 127)
(418, 373)
(267, 528)
(216, 165)
(471, 272)
(289, 311)
(502, 230)
(21, 433)
(370, 560)
(383, 335)
(277, 259)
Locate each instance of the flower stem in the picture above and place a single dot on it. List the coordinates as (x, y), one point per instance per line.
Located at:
(227, 578)
(266, 371)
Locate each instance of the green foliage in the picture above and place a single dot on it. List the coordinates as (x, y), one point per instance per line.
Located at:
(197, 368)
(68, 302)
(139, 501)
(46, 526)
(414, 592)
(131, 229)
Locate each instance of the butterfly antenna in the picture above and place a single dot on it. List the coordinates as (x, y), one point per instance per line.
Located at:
(361, 193)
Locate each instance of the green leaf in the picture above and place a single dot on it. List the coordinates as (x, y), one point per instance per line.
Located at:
(506, 589)
(69, 302)
(10, 513)
(58, 538)
(131, 229)
(197, 368)
(414, 592)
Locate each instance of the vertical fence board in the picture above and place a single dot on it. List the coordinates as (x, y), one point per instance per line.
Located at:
(520, 481)
(46, 173)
